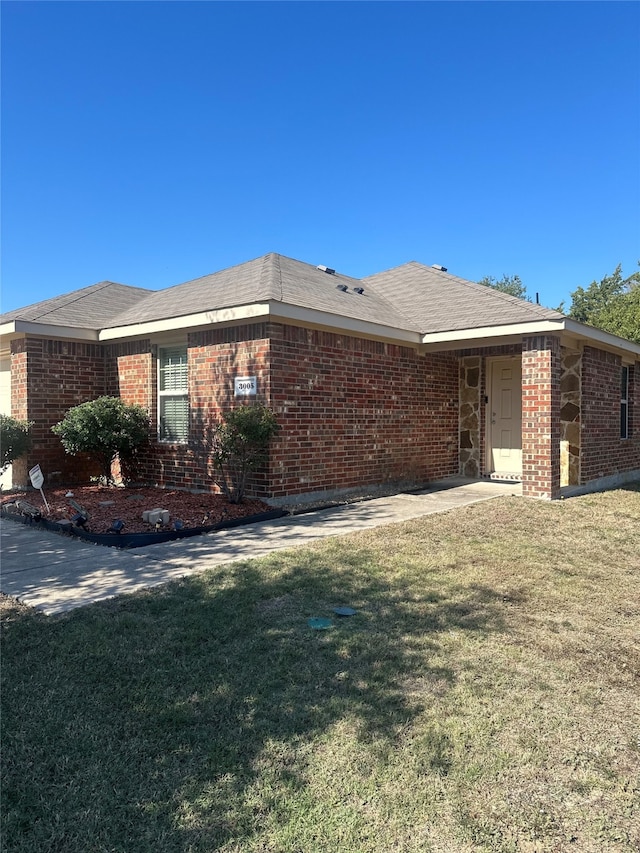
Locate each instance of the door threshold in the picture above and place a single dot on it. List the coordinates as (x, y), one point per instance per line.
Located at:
(504, 478)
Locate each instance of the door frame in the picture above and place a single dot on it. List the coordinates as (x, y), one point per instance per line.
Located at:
(491, 361)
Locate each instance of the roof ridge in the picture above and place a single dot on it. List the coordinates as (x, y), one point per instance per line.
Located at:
(391, 269)
(64, 300)
(271, 275)
(507, 297)
(477, 287)
(214, 273)
(279, 267)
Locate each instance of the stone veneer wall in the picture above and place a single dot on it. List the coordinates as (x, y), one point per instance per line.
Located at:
(470, 414)
(570, 416)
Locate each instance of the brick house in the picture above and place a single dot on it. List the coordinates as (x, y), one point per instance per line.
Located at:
(405, 376)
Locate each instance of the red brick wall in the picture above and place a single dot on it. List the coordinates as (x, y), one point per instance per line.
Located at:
(352, 411)
(215, 357)
(59, 375)
(21, 466)
(358, 412)
(603, 453)
(541, 369)
(130, 374)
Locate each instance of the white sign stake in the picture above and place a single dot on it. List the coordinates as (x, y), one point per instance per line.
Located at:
(37, 481)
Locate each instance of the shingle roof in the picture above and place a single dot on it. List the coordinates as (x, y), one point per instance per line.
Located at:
(440, 302)
(88, 308)
(412, 297)
(271, 277)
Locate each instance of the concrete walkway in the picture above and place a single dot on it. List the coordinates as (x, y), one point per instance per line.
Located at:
(57, 573)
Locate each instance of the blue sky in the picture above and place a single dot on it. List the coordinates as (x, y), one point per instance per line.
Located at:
(151, 143)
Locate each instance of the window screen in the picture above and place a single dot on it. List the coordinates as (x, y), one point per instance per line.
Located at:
(173, 394)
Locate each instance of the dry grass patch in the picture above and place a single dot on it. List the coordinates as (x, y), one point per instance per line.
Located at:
(485, 697)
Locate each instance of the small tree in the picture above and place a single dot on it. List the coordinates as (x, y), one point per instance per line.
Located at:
(15, 440)
(239, 445)
(612, 304)
(511, 284)
(106, 429)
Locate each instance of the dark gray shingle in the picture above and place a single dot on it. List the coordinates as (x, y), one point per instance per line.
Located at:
(440, 302)
(88, 308)
(412, 297)
(271, 277)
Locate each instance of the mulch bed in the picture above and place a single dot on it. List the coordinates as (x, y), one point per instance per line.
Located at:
(104, 505)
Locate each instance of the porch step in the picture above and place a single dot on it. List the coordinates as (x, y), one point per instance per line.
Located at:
(509, 478)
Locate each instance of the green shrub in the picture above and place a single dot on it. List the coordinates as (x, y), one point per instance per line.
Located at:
(105, 429)
(15, 440)
(239, 445)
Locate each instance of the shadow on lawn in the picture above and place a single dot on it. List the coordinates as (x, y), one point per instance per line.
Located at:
(179, 718)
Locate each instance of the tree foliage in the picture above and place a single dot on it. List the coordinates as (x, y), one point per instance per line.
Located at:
(510, 284)
(239, 445)
(106, 429)
(612, 304)
(15, 440)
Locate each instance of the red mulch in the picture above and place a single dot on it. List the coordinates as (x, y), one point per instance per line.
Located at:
(194, 510)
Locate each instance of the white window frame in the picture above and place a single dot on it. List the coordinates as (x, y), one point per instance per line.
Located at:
(625, 380)
(176, 393)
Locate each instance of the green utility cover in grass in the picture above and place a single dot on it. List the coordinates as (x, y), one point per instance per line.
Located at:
(319, 623)
(344, 611)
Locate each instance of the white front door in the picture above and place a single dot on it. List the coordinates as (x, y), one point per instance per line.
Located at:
(505, 417)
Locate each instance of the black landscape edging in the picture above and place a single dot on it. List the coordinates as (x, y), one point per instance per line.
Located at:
(140, 540)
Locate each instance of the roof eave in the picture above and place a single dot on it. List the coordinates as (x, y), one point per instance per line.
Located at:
(15, 328)
(604, 340)
(570, 331)
(200, 319)
(466, 338)
(350, 325)
(273, 309)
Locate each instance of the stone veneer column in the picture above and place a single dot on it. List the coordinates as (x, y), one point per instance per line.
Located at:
(541, 417)
(470, 416)
(570, 416)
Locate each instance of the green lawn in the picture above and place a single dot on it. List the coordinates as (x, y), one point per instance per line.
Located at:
(485, 697)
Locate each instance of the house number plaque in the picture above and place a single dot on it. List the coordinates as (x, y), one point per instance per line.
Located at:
(245, 386)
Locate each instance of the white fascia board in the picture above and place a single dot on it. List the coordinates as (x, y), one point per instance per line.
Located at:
(5, 341)
(15, 327)
(189, 321)
(598, 338)
(273, 309)
(465, 338)
(578, 333)
(350, 325)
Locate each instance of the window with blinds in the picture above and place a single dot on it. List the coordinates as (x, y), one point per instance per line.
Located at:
(173, 394)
